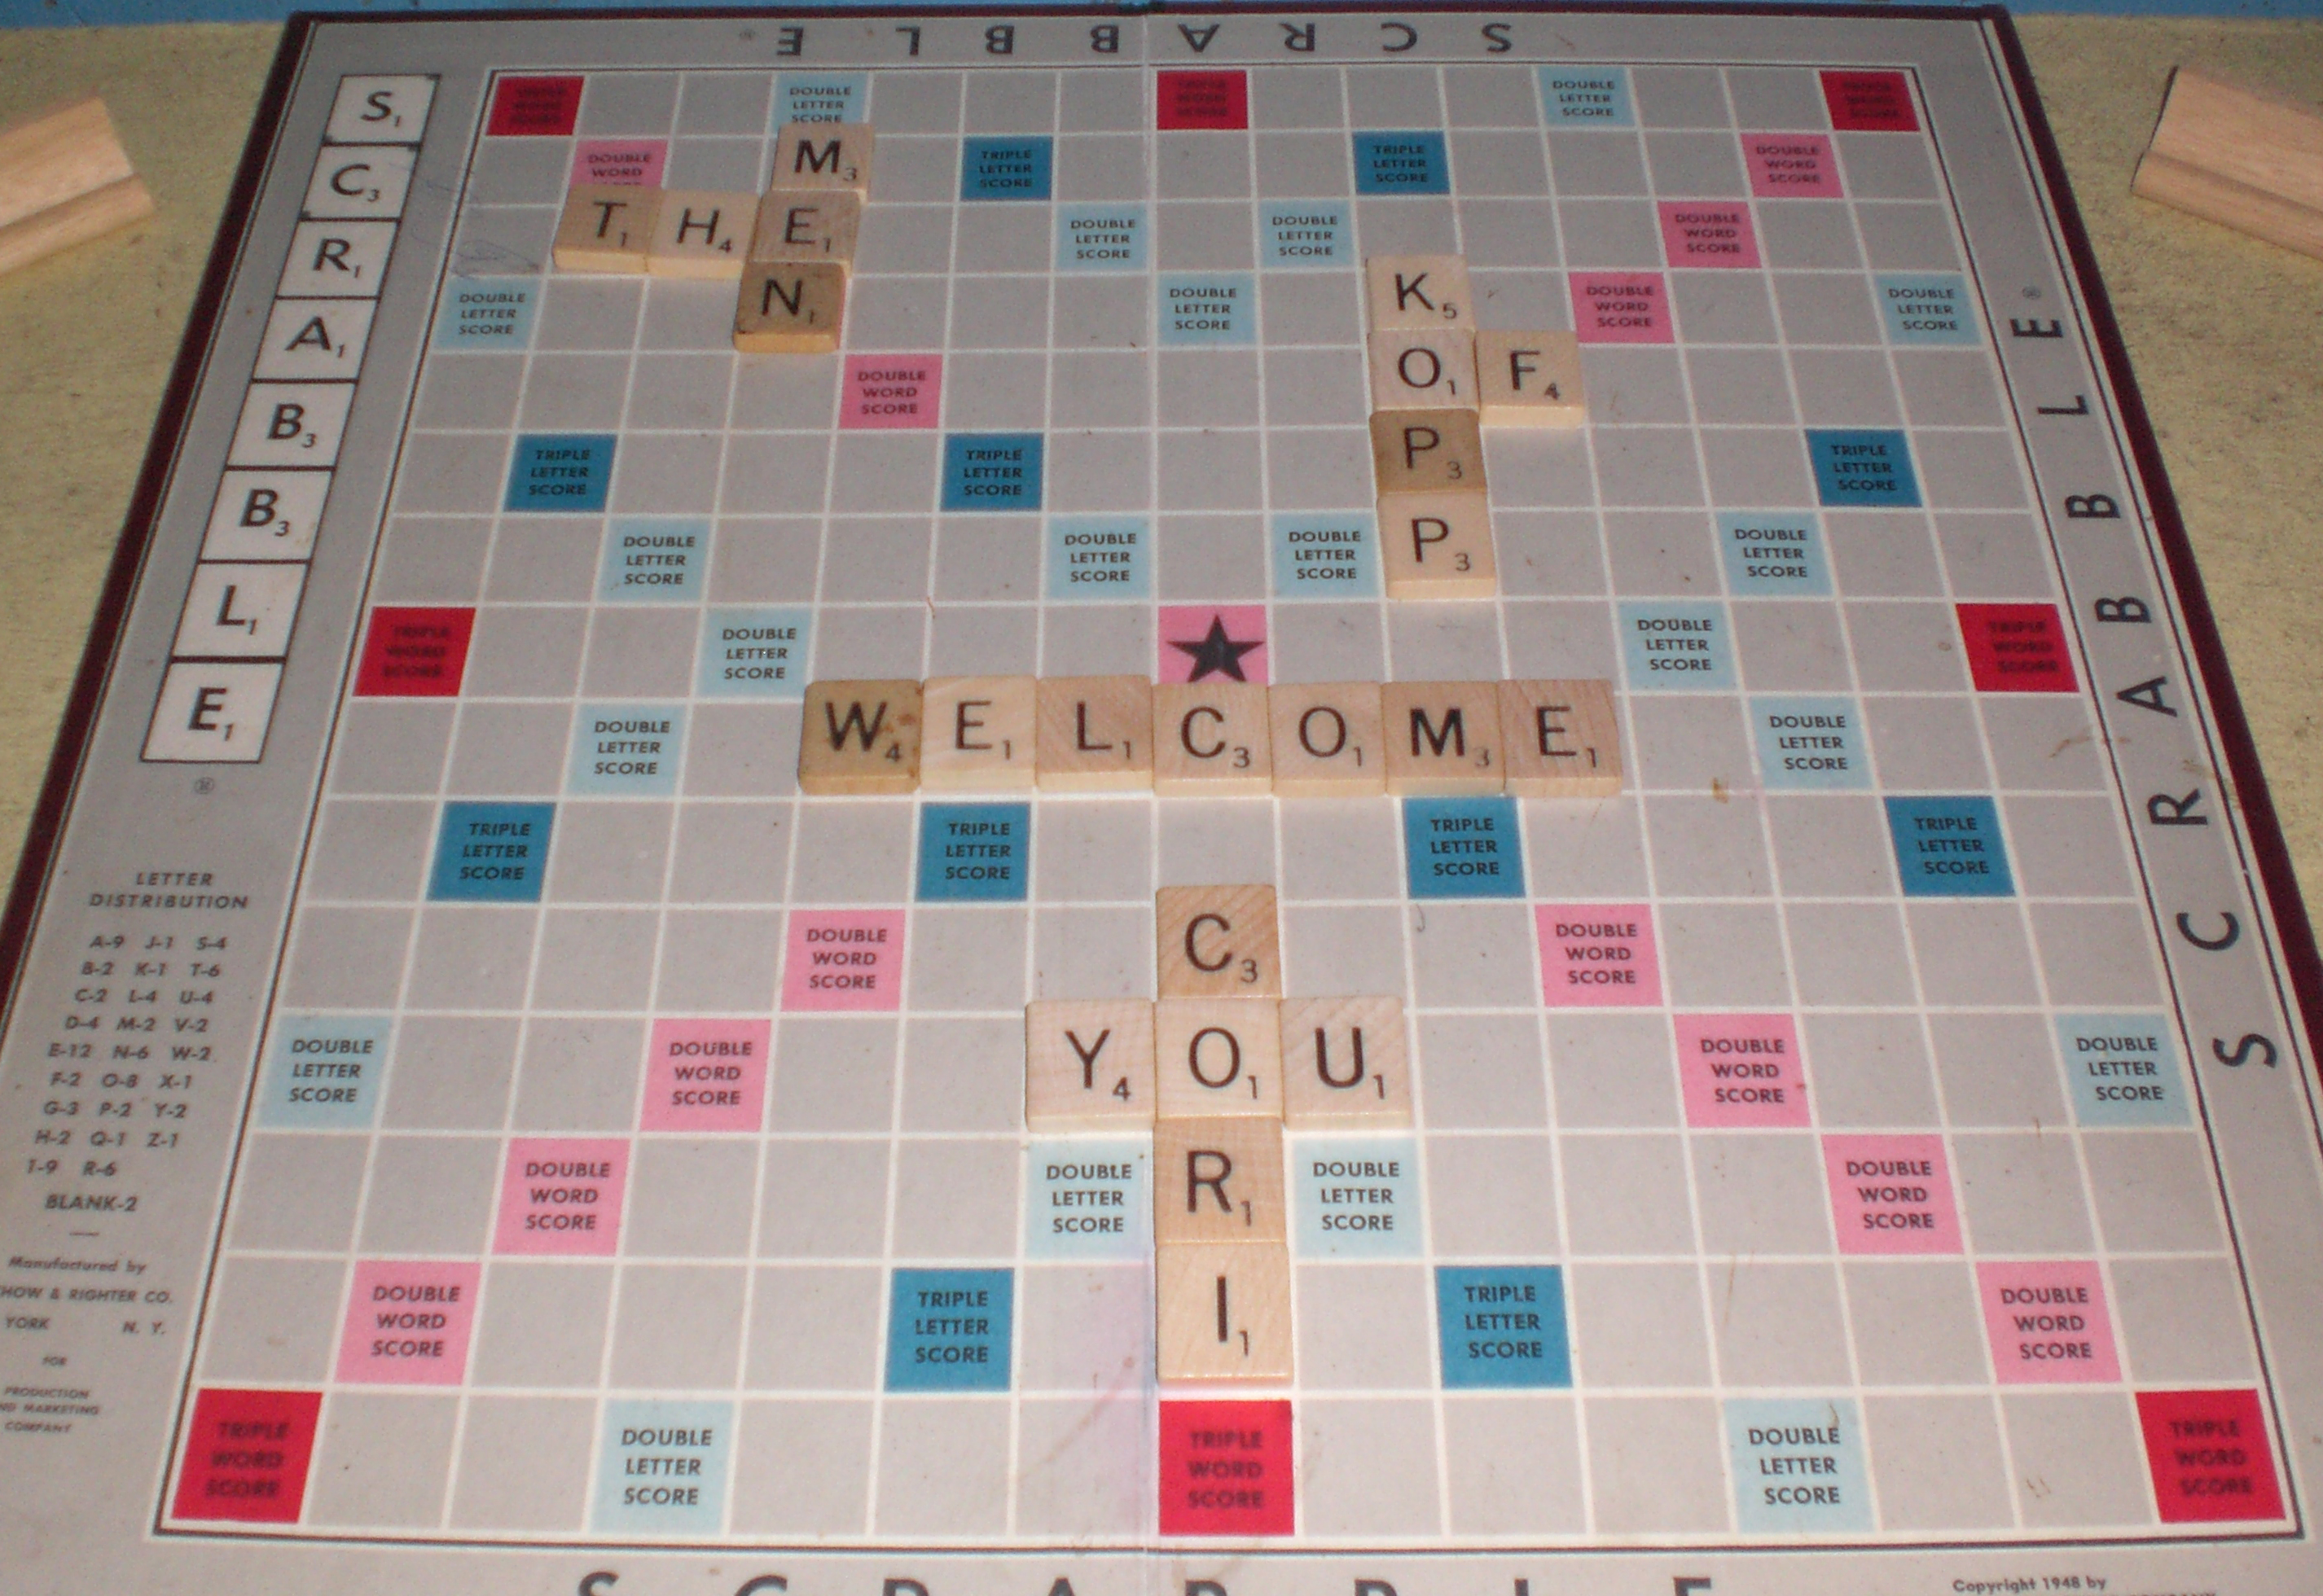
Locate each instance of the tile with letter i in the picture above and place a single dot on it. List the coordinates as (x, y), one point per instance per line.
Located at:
(1219, 1180)
(950, 1329)
(1089, 1064)
(860, 738)
(1218, 941)
(1797, 1464)
(1327, 739)
(1221, 1313)
(1217, 1058)
(1345, 1064)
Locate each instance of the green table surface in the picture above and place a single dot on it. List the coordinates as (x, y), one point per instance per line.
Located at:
(2225, 335)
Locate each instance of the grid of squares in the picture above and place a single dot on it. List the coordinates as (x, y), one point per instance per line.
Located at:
(1701, 1265)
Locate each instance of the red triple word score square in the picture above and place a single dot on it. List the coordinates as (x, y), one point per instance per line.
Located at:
(1869, 102)
(246, 1455)
(415, 654)
(535, 107)
(1217, 102)
(1226, 1469)
(2016, 648)
(2210, 1455)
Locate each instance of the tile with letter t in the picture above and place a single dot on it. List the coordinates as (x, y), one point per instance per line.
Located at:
(1443, 738)
(1221, 1313)
(605, 228)
(1219, 1180)
(981, 734)
(1089, 1063)
(1212, 739)
(1345, 1064)
(1217, 1058)
(860, 738)
(1327, 740)
(1218, 941)
(1426, 452)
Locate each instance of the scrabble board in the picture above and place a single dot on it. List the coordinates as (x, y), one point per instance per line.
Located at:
(1235, 802)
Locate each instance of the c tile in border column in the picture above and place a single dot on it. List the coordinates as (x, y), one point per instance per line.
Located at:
(662, 1467)
(560, 472)
(992, 471)
(950, 1329)
(1463, 848)
(1950, 847)
(492, 853)
(1504, 1328)
(975, 852)
(1863, 468)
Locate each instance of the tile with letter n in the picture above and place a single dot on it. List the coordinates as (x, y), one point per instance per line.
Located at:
(992, 471)
(1950, 847)
(561, 473)
(975, 852)
(790, 308)
(492, 853)
(1463, 848)
(950, 1329)
(1502, 1329)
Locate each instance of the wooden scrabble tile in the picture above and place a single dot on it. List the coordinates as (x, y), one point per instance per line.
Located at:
(1327, 740)
(1217, 1058)
(697, 233)
(1431, 370)
(979, 735)
(1438, 546)
(801, 224)
(787, 309)
(1217, 1181)
(1426, 452)
(1221, 1313)
(1529, 379)
(1089, 1064)
(1562, 738)
(1443, 738)
(825, 155)
(64, 179)
(1216, 941)
(605, 228)
(1409, 292)
(1211, 738)
(860, 737)
(1345, 1063)
(1096, 734)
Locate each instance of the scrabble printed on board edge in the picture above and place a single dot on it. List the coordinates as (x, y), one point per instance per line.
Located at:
(1137, 784)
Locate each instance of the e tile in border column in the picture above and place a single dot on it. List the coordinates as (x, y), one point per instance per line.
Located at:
(213, 712)
(492, 853)
(1863, 468)
(560, 473)
(246, 1456)
(992, 471)
(950, 1329)
(1226, 1469)
(1950, 847)
(975, 852)
(1504, 1328)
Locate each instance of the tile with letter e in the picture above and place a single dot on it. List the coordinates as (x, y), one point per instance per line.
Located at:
(1325, 554)
(796, 225)
(701, 233)
(835, 155)
(1357, 1197)
(1094, 734)
(1247, 1442)
(1401, 163)
(1863, 469)
(975, 852)
(1218, 941)
(1416, 293)
(860, 738)
(1502, 1329)
(950, 1329)
(1463, 848)
(997, 470)
(1950, 847)
(1217, 1181)
(240, 611)
(605, 227)
(1211, 740)
(1221, 1313)
(981, 734)
(1443, 738)
(1345, 1064)
(1424, 370)
(492, 853)
(1089, 1063)
(1563, 738)
(1438, 546)
(1217, 1058)
(662, 1467)
(1006, 169)
(785, 308)
(1797, 1464)
(1426, 452)
(2017, 648)
(213, 712)
(1089, 1197)
(2123, 1070)
(1530, 379)
(1327, 739)
(560, 473)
